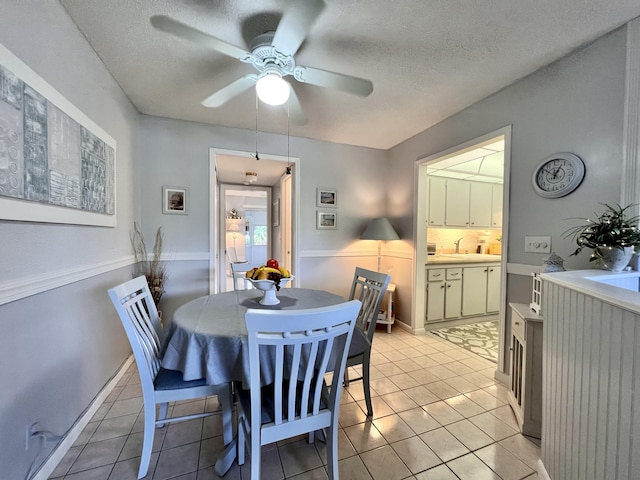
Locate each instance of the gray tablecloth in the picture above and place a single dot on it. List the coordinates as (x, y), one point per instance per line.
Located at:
(207, 337)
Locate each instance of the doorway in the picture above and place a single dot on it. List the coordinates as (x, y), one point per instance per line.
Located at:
(483, 163)
(264, 197)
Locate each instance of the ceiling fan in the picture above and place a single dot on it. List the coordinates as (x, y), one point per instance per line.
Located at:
(272, 54)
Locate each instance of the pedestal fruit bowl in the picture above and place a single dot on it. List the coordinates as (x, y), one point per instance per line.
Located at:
(269, 279)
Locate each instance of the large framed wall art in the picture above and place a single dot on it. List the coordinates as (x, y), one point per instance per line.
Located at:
(56, 164)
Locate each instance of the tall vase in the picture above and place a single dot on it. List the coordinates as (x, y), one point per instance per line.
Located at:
(614, 259)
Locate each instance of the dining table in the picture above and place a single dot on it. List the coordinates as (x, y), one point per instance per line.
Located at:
(207, 338)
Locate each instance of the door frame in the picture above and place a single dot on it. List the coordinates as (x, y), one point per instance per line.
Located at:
(287, 210)
(420, 235)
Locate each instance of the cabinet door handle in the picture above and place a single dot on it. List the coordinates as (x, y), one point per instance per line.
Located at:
(436, 274)
(517, 323)
(485, 269)
(448, 286)
(454, 274)
(491, 269)
(441, 286)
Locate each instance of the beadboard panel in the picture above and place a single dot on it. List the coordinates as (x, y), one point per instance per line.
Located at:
(591, 362)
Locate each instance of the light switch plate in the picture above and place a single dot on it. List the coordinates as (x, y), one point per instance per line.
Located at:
(537, 244)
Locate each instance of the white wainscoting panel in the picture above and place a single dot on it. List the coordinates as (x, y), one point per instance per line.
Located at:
(591, 387)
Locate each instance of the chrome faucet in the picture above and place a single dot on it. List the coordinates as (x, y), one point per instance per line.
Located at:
(457, 243)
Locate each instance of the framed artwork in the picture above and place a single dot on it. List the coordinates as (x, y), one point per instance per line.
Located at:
(327, 220)
(275, 213)
(56, 164)
(326, 197)
(174, 200)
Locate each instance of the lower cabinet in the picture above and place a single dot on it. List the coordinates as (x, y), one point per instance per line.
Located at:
(444, 293)
(481, 290)
(455, 292)
(525, 394)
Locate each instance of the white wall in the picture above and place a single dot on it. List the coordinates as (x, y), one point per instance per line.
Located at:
(59, 348)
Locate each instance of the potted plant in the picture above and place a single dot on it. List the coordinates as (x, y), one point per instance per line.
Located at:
(613, 235)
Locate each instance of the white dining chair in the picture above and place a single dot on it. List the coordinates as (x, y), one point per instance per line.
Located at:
(239, 269)
(290, 352)
(139, 316)
(369, 287)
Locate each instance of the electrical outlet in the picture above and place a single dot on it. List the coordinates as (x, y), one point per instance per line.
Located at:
(537, 244)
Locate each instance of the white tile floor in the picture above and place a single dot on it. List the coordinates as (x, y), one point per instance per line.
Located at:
(438, 414)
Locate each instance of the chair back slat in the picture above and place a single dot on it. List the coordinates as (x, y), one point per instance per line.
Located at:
(308, 344)
(137, 311)
(369, 287)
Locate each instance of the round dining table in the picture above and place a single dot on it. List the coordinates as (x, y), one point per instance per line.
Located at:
(207, 338)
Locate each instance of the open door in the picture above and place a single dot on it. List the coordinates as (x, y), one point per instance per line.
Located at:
(270, 229)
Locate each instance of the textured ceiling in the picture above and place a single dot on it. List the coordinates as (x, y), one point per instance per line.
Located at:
(427, 59)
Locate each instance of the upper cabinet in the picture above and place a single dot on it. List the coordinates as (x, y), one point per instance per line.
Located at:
(437, 200)
(464, 204)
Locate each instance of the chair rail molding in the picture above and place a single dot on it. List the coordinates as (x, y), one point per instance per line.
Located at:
(42, 282)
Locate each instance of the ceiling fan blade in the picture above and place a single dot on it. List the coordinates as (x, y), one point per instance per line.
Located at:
(296, 114)
(295, 24)
(180, 30)
(357, 86)
(234, 89)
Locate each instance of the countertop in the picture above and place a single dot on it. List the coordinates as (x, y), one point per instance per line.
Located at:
(453, 258)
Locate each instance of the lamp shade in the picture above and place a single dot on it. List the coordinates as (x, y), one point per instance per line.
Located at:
(380, 229)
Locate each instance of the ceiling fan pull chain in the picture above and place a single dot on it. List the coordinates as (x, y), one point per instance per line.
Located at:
(257, 156)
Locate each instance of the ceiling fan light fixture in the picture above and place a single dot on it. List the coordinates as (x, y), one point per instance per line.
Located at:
(272, 89)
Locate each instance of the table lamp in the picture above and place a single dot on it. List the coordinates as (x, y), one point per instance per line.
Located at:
(379, 229)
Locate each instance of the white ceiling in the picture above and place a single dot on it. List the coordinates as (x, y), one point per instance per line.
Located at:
(427, 60)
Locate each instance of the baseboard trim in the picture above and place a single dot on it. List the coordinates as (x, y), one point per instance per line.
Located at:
(502, 377)
(56, 456)
(542, 471)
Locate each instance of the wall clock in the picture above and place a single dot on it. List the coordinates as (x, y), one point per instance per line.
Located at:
(558, 175)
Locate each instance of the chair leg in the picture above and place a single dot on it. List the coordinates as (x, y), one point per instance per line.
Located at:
(345, 380)
(332, 453)
(255, 453)
(147, 441)
(365, 383)
(242, 438)
(162, 413)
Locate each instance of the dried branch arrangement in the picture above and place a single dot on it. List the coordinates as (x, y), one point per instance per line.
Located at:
(151, 267)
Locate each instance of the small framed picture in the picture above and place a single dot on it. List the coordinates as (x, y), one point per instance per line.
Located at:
(275, 213)
(174, 200)
(326, 198)
(327, 221)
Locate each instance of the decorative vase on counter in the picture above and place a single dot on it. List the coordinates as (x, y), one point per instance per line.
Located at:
(553, 263)
(613, 258)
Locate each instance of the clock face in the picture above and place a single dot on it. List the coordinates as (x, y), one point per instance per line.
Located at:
(558, 175)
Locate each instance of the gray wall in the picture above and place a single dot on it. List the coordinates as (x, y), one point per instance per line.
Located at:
(60, 347)
(574, 105)
(176, 152)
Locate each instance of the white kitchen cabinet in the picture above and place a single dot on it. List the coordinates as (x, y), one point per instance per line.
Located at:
(474, 291)
(457, 203)
(493, 289)
(437, 201)
(464, 204)
(435, 294)
(480, 204)
(496, 206)
(444, 294)
(480, 290)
